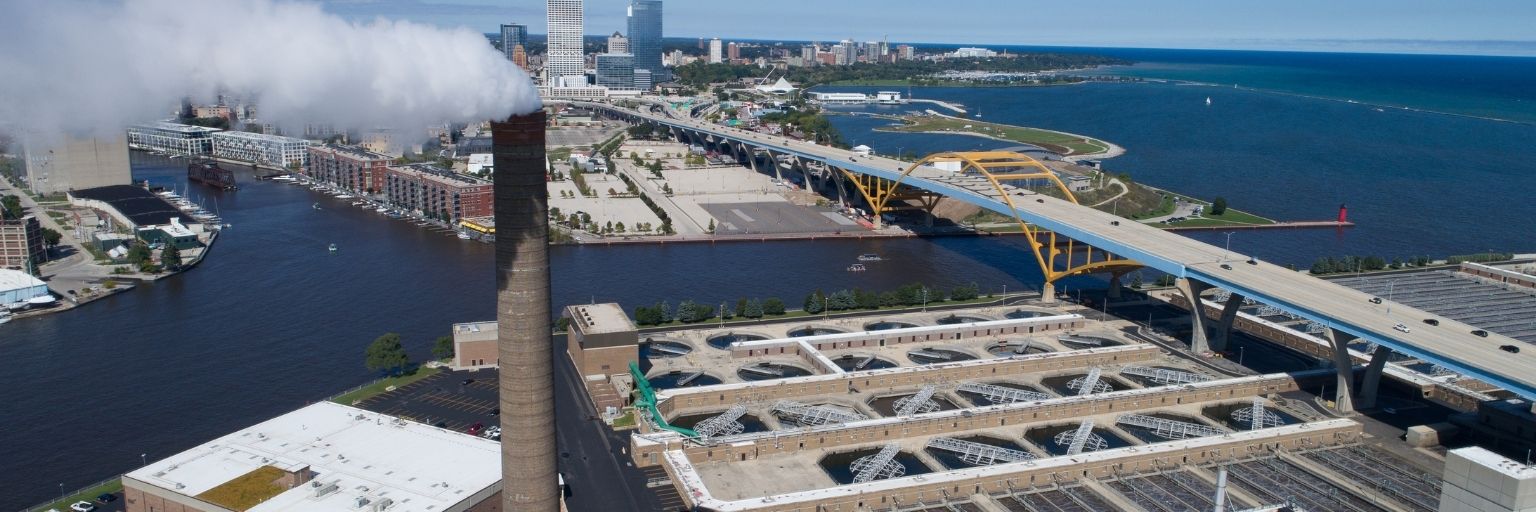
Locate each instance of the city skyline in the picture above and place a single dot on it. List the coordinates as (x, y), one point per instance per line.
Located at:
(1491, 28)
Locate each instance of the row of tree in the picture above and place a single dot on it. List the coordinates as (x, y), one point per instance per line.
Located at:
(914, 294)
(1346, 264)
(689, 311)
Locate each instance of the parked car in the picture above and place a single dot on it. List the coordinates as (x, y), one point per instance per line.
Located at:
(82, 506)
(106, 497)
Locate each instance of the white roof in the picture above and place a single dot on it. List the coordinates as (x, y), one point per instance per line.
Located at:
(419, 467)
(16, 280)
(480, 160)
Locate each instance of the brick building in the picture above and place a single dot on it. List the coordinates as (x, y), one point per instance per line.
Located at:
(603, 341)
(438, 193)
(21, 243)
(349, 168)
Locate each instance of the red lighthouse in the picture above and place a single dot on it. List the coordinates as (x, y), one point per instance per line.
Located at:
(1343, 214)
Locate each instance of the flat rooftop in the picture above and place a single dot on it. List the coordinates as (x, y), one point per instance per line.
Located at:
(262, 137)
(365, 454)
(16, 280)
(601, 318)
(139, 205)
(474, 331)
(178, 128)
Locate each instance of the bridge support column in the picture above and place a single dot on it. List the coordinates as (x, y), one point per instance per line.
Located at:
(1191, 290)
(1048, 293)
(1371, 382)
(1345, 371)
(774, 161)
(1114, 287)
(1224, 326)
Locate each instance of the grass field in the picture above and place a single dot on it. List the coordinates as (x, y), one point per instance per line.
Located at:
(1050, 140)
(380, 386)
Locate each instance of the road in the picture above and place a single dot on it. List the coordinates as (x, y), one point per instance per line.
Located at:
(1451, 344)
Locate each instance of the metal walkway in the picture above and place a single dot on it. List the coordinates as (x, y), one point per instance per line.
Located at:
(1164, 375)
(979, 454)
(726, 424)
(1256, 417)
(1089, 384)
(1166, 428)
(880, 466)
(917, 403)
(1002, 395)
(812, 415)
(1081, 439)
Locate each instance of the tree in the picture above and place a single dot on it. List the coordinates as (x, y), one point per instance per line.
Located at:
(773, 306)
(170, 256)
(741, 306)
(753, 309)
(443, 348)
(815, 302)
(12, 207)
(711, 228)
(1219, 206)
(841, 300)
(139, 253)
(51, 238)
(386, 353)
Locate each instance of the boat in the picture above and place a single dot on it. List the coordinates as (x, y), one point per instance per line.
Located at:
(16, 306)
(42, 301)
(333, 248)
(1207, 101)
(857, 267)
(4, 317)
(315, 206)
(463, 236)
(870, 257)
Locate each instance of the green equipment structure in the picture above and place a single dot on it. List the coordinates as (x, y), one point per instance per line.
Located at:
(647, 401)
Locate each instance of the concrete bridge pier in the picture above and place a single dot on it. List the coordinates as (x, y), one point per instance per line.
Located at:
(1048, 293)
(773, 160)
(1370, 383)
(1191, 289)
(1115, 285)
(1224, 325)
(1344, 382)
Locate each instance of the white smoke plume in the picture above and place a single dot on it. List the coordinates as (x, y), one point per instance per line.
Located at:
(100, 65)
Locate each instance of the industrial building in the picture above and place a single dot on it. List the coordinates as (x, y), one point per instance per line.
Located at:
(172, 138)
(350, 168)
(62, 163)
(17, 287)
(324, 457)
(261, 149)
(474, 345)
(1025, 407)
(434, 192)
(21, 243)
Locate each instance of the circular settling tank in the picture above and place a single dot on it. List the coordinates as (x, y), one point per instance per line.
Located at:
(1045, 437)
(861, 362)
(938, 355)
(1018, 314)
(1077, 341)
(981, 400)
(961, 319)
(811, 330)
(748, 422)
(884, 325)
(1017, 348)
(952, 460)
(724, 341)
(682, 379)
(886, 405)
(770, 371)
(652, 348)
(838, 465)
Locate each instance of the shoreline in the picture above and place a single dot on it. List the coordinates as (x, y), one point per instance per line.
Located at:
(1113, 150)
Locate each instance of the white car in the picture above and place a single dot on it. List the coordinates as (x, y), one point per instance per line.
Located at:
(82, 506)
(1401, 327)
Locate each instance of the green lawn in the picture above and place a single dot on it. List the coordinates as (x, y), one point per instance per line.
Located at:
(1051, 140)
(627, 421)
(1238, 217)
(89, 494)
(378, 387)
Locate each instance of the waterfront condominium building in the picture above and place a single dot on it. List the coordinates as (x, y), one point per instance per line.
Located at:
(437, 193)
(645, 38)
(616, 70)
(21, 243)
(173, 138)
(513, 35)
(564, 57)
(261, 149)
(714, 51)
(350, 168)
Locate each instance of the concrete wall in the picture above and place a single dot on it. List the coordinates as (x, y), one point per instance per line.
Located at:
(883, 338)
(878, 381)
(1477, 480)
(474, 354)
(1509, 277)
(1018, 477)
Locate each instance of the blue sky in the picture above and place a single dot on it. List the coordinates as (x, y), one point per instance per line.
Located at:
(1416, 26)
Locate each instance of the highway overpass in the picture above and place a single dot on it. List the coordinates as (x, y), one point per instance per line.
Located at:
(1346, 312)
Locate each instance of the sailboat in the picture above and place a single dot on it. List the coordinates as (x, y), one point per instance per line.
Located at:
(333, 248)
(1207, 101)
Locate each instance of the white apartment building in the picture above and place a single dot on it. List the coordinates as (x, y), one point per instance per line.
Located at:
(270, 150)
(173, 138)
(714, 51)
(564, 54)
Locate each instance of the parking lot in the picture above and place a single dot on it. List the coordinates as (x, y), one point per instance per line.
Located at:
(599, 474)
(776, 217)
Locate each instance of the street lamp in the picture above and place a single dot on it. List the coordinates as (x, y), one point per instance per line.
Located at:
(925, 298)
(143, 460)
(1240, 353)
(1228, 252)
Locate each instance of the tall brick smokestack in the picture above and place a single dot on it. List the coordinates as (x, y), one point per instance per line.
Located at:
(528, 473)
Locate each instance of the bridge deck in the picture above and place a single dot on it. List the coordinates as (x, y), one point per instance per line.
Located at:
(1449, 344)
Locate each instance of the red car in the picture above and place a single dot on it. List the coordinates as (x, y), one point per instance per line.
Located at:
(475, 429)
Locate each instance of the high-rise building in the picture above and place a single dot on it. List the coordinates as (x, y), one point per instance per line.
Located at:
(850, 51)
(64, 163)
(714, 51)
(615, 70)
(904, 52)
(21, 243)
(525, 351)
(564, 57)
(645, 38)
(733, 52)
(808, 55)
(512, 36)
(520, 57)
(617, 43)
